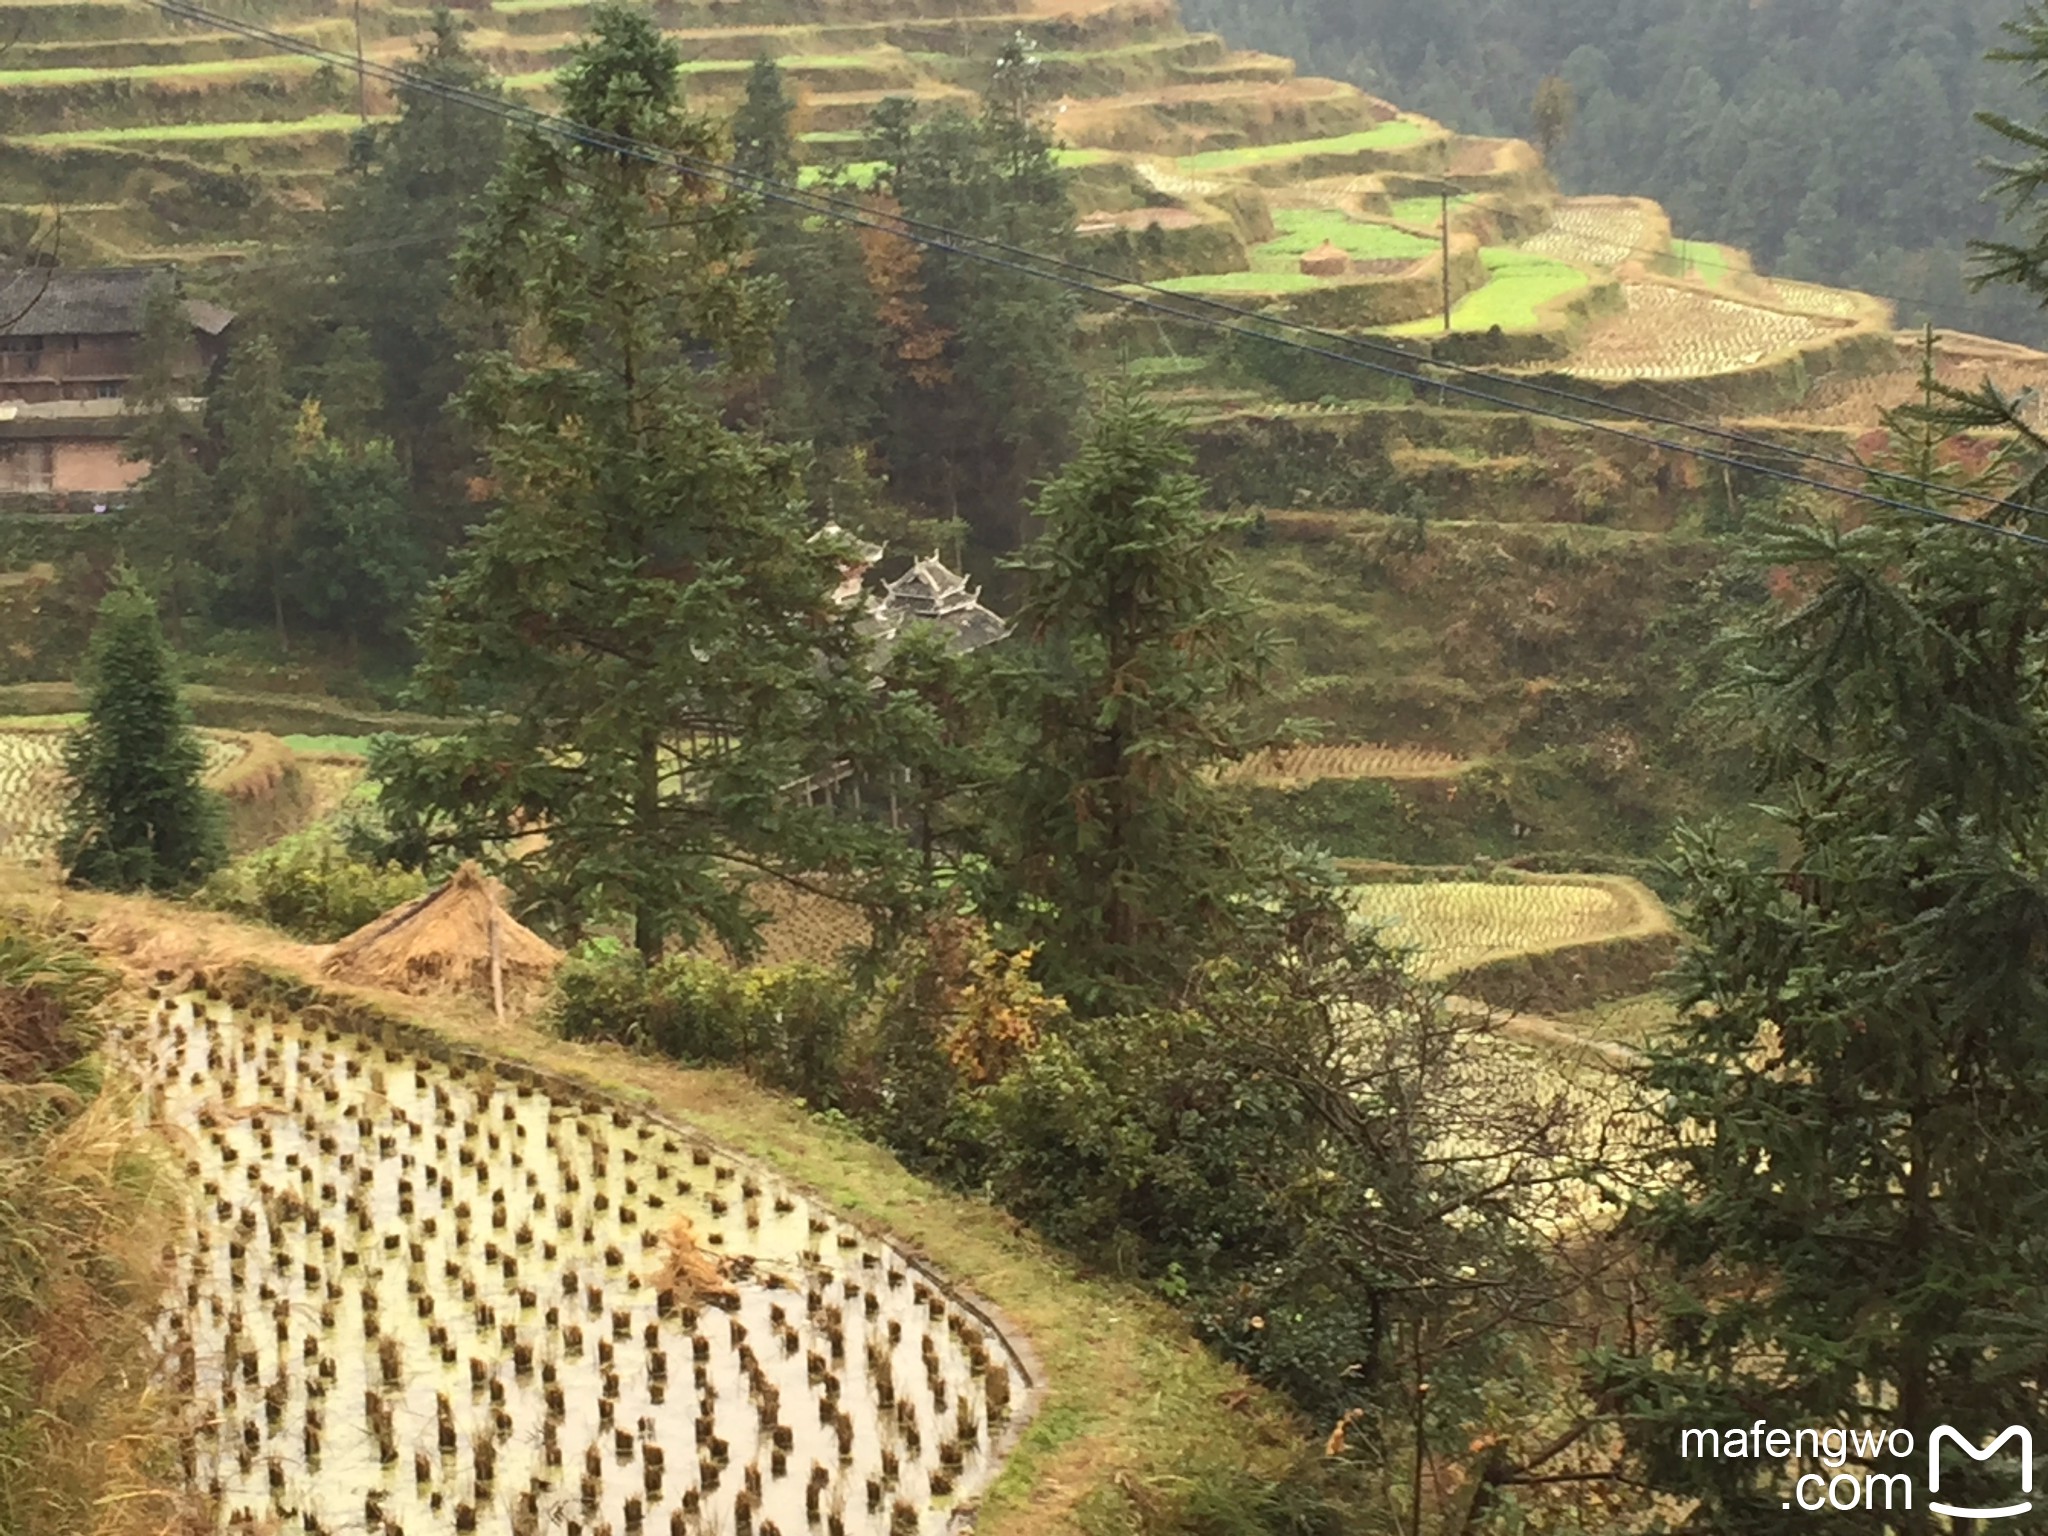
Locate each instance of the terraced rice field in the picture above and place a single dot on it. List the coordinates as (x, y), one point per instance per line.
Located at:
(1346, 760)
(419, 1297)
(1456, 924)
(1398, 133)
(1242, 282)
(1813, 299)
(1172, 183)
(1521, 289)
(1717, 266)
(1858, 402)
(803, 926)
(1672, 332)
(1593, 233)
(330, 122)
(1303, 230)
(1426, 211)
(32, 786)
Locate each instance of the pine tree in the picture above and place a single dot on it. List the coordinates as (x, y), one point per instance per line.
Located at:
(169, 522)
(1851, 1210)
(391, 257)
(138, 817)
(763, 139)
(2020, 182)
(971, 428)
(1140, 666)
(642, 632)
(258, 483)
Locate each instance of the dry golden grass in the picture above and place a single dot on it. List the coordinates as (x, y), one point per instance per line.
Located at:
(1601, 232)
(1287, 767)
(84, 1204)
(245, 767)
(1454, 925)
(1674, 332)
(805, 926)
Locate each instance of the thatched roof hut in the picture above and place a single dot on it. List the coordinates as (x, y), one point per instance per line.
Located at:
(457, 937)
(1326, 260)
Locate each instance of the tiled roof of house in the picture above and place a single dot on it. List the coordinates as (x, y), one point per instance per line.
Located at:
(89, 301)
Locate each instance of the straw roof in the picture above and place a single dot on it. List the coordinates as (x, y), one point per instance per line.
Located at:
(1326, 260)
(444, 939)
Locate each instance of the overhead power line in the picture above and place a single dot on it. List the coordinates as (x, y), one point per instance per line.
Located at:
(1114, 288)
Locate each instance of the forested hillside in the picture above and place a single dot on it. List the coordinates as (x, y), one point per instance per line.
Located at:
(1833, 139)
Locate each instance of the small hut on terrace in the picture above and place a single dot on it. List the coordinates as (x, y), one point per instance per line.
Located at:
(458, 937)
(1326, 260)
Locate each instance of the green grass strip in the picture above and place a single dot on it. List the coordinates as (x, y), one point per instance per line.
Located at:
(1424, 210)
(206, 68)
(1241, 282)
(1518, 288)
(860, 173)
(327, 122)
(1305, 229)
(1397, 133)
(1715, 265)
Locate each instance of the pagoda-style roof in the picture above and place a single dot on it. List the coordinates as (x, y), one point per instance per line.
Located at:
(930, 592)
(929, 587)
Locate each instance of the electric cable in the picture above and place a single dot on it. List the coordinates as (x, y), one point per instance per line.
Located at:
(1218, 316)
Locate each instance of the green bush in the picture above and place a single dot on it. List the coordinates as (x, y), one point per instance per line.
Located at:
(311, 886)
(784, 1024)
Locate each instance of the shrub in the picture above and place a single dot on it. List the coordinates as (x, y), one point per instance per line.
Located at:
(784, 1024)
(311, 886)
(952, 1015)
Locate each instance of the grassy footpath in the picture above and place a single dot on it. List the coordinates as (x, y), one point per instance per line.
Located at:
(1131, 1410)
(1397, 133)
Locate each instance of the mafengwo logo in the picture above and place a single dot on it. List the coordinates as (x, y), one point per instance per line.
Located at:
(1943, 1435)
(1842, 1469)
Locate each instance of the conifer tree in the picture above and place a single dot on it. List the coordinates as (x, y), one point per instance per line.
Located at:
(138, 816)
(642, 631)
(398, 221)
(763, 139)
(257, 479)
(1140, 667)
(1851, 1208)
(169, 520)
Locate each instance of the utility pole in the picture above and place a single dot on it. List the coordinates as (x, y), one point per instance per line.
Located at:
(362, 98)
(1444, 225)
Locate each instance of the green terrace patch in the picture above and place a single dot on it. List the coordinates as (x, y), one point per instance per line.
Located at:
(1242, 282)
(1718, 266)
(1397, 133)
(1424, 210)
(206, 69)
(1305, 229)
(326, 122)
(1519, 294)
(860, 173)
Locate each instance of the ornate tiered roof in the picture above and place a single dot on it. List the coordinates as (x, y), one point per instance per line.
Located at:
(930, 592)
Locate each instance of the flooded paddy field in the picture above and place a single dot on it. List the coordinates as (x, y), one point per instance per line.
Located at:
(415, 1297)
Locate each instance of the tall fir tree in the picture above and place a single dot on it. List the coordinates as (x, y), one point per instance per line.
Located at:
(642, 631)
(1139, 669)
(169, 522)
(1849, 1213)
(138, 817)
(973, 424)
(417, 182)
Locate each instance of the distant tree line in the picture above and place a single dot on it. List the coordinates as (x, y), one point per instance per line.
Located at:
(1833, 140)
